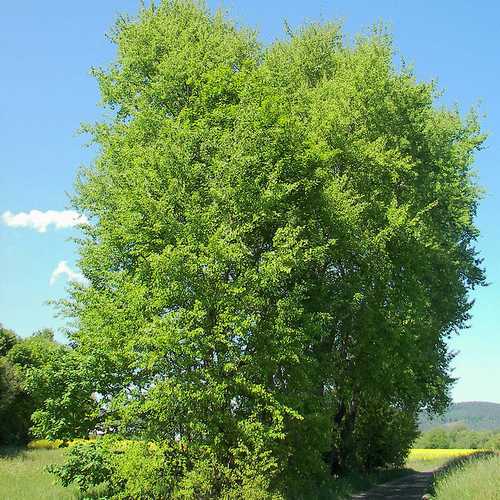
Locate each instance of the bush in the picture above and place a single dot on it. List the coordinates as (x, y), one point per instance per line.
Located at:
(135, 469)
(87, 465)
(383, 437)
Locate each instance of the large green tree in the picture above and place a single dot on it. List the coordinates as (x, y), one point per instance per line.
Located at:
(281, 241)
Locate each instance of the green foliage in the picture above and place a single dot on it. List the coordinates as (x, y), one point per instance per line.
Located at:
(38, 377)
(7, 340)
(62, 386)
(281, 241)
(86, 465)
(15, 406)
(34, 351)
(148, 471)
(135, 469)
(383, 436)
(459, 436)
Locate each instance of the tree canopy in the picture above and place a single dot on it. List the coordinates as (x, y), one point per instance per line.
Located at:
(281, 240)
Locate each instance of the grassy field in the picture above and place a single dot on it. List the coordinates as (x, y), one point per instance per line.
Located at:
(470, 480)
(22, 475)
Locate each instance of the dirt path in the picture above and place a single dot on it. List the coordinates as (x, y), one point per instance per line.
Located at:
(411, 487)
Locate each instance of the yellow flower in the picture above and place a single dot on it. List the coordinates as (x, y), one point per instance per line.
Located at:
(433, 454)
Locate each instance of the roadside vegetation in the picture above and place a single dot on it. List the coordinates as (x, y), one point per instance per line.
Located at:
(473, 479)
(24, 473)
(459, 436)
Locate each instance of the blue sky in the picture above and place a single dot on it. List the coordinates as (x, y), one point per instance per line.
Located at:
(46, 50)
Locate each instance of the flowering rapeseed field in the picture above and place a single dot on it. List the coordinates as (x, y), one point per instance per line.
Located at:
(424, 459)
(45, 444)
(415, 453)
(437, 453)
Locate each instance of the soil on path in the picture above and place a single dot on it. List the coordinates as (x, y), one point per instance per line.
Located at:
(411, 487)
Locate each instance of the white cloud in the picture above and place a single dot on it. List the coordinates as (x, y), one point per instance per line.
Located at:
(63, 268)
(41, 220)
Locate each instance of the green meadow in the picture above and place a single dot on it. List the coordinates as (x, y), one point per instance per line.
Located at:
(23, 475)
(471, 480)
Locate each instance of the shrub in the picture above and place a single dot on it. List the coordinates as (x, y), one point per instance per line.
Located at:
(87, 465)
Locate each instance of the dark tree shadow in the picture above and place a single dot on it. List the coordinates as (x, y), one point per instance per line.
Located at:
(12, 451)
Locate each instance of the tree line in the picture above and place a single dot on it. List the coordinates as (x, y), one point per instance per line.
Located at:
(459, 436)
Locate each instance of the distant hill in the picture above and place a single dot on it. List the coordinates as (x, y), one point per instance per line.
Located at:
(476, 415)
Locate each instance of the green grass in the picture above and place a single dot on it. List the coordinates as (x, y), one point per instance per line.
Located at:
(426, 465)
(477, 478)
(23, 475)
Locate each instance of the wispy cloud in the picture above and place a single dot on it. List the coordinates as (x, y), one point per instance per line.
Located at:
(63, 268)
(41, 220)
